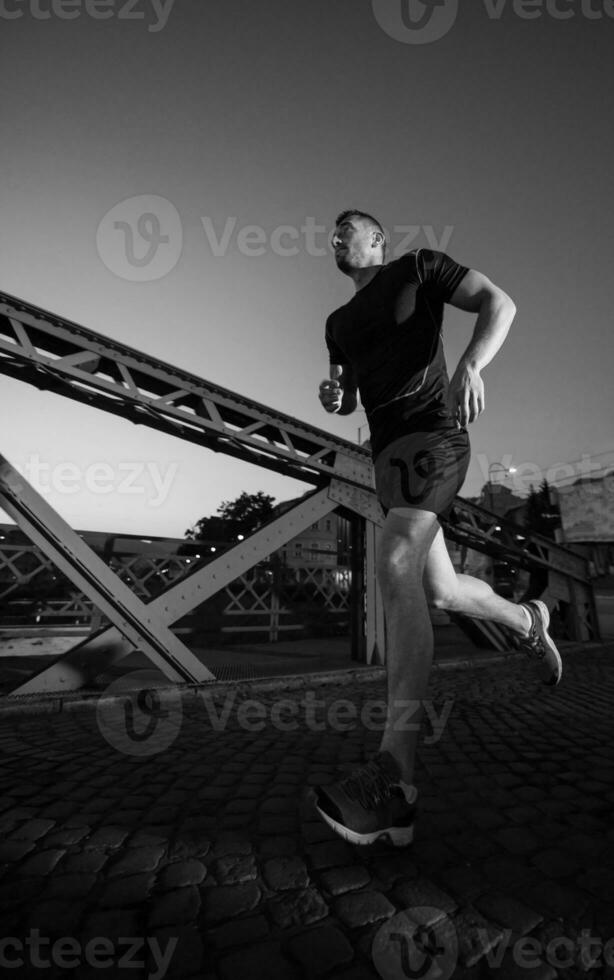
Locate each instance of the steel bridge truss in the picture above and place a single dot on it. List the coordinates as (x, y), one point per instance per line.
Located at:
(57, 355)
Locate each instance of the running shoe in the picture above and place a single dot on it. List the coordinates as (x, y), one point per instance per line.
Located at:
(539, 646)
(370, 804)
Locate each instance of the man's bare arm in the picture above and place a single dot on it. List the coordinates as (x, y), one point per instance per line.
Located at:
(496, 311)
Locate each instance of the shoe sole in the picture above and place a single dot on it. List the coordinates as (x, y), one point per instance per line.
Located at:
(397, 836)
(545, 612)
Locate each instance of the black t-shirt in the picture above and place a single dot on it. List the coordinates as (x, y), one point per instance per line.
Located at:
(390, 334)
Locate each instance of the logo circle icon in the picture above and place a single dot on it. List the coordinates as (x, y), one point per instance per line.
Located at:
(141, 238)
(137, 718)
(415, 21)
(416, 944)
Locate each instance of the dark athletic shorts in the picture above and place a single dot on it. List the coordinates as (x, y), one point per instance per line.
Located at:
(424, 470)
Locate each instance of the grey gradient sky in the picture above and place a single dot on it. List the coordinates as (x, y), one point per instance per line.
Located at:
(495, 141)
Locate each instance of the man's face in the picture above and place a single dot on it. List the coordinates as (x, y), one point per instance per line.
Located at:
(355, 244)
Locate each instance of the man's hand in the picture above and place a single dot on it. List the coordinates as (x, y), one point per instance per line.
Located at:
(331, 395)
(466, 394)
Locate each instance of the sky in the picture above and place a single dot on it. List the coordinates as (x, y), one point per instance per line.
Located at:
(170, 178)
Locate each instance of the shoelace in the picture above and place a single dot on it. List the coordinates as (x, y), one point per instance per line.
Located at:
(369, 785)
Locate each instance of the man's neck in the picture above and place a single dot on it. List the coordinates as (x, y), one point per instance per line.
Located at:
(362, 277)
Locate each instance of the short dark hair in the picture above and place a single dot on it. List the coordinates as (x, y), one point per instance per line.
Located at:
(373, 222)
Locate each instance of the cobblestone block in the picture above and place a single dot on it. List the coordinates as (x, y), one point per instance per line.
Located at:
(320, 951)
(278, 805)
(599, 882)
(70, 886)
(136, 860)
(163, 814)
(508, 912)
(41, 863)
(107, 837)
(33, 830)
(361, 908)
(298, 908)
(78, 819)
(235, 807)
(434, 855)
(584, 821)
(182, 873)
(471, 847)
(503, 872)
(476, 935)
(286, 872)
(584, 845)
(314, 832)
(229, 901)
(12, 851)
(123, 892)
(389, 868)
(177, 907)
(235, 869)
(20, 813)
(179, 954)
(87, 861)
(329, 854)
(238, 932)
(15, 891)
(147, 838)
(512, 969)
(358, 971)
(215, 793)
(422, 892)
(338, 881)
(485, 818)
(555, 863)
(262, 962)
(518, 840)
(272, 847)
(55, 918)
(231, 843)
(65, 836)
(551, 897)
(189, 844)
(523, 814)
(287, 824)
(465, 883)
(248, 791)
(111, 924)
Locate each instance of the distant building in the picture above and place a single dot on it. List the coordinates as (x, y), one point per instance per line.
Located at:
(325, 543)
(499, 499)
(587, 519)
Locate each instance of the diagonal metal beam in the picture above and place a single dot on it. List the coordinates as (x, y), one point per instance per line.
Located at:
(83, 662)
(52, 352)
(142, 627)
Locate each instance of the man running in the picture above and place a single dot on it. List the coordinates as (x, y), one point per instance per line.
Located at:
(386, 343)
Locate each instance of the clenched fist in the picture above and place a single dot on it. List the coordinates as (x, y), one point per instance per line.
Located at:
(331, 395)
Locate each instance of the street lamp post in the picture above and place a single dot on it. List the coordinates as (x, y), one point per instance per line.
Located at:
(506, 469)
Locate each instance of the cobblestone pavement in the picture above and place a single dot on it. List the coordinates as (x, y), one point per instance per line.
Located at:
(162, 839)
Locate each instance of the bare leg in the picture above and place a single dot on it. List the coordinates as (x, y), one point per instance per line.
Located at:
(404, 546)
(446, 589)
